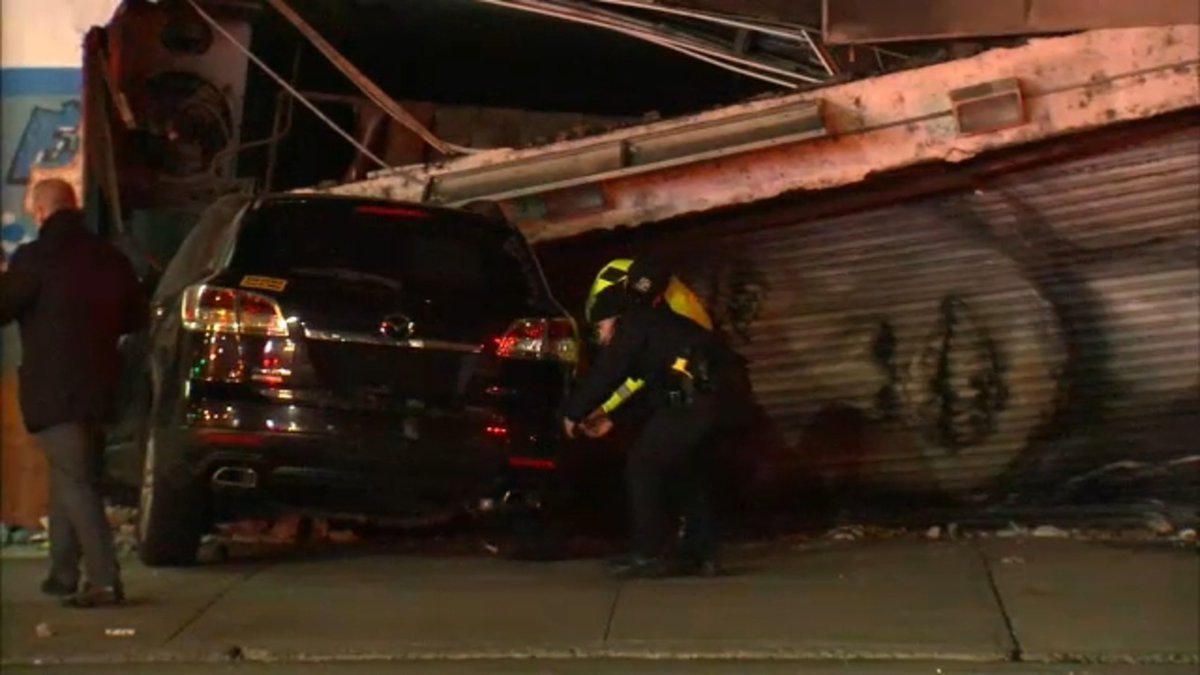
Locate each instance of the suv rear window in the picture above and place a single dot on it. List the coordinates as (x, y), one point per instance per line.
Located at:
(431, 253)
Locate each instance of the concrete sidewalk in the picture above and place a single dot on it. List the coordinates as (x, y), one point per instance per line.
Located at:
(982, 601)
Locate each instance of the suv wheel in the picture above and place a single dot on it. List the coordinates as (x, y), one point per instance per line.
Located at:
(171, 518)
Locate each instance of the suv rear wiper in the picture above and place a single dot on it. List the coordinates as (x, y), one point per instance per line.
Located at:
(346, 274)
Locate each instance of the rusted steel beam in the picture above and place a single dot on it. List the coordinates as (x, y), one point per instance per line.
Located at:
(1070, 84)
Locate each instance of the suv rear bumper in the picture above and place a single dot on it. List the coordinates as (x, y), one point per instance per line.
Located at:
(259, 458)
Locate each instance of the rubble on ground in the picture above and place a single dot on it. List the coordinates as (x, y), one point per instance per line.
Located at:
(290, 529)
(847, 533)
(1155, 530)
(1159, 524)
(120, 515)
(23, 538)
(123, 521)
(249, 537)
(1050, 532)
(1013, 531)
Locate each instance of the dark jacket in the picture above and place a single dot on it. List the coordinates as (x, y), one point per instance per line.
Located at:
(74, 295)
(647, 342)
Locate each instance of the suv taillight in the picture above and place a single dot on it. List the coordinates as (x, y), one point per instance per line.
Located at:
(539, 339)
(212, 309)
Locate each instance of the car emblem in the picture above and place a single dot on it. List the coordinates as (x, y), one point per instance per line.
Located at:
(397, 327)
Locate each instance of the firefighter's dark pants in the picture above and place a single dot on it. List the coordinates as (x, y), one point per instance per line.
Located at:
(672, 461)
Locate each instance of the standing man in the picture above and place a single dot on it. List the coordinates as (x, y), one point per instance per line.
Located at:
(673, 454)
(74, 296)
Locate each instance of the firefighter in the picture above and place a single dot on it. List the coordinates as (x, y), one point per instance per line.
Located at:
(681, 299)
(673, 357)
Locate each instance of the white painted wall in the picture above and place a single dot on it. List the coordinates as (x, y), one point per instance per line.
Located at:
(48, 33)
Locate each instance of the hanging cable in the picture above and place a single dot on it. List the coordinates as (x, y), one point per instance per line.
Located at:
(726, 66)
(690, 45)
(286, 86)
(365, 85)
(710, 17)
(701, 53)
(787, 30)
(691, 48)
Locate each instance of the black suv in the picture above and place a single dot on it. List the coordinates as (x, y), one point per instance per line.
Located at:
(344, 356)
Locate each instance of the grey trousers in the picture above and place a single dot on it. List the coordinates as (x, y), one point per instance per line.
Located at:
(78, 526)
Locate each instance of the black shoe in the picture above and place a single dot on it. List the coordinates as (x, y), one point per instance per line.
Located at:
(640, 568)
(96, 596)
(57, 588)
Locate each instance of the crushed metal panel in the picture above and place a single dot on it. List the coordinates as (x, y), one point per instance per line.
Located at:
(1070, 84)
(650, 150)
(517, 176)
(868, 21)
(1014, 342)
(786, 124)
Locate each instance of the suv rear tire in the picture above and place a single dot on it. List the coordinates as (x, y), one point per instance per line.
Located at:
(171, 510)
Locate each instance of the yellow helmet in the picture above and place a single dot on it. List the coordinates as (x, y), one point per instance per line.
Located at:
(615, 272)
(680, 298)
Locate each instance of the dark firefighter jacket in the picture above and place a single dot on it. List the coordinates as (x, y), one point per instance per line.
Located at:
(74, 295)
(647, 344)
(681, 299)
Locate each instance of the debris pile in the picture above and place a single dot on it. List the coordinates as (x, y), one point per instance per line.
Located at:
(1157, 528)
(15, 536)
(1050, 532)
(123, 521)
(289, 529)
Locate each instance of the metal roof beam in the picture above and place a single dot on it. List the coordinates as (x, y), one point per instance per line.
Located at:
(747, 153)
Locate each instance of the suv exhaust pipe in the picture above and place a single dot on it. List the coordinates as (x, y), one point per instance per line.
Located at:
(235, 476)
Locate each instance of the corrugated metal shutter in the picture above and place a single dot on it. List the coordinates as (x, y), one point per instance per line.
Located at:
(1039, 336)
